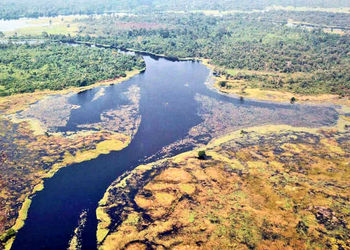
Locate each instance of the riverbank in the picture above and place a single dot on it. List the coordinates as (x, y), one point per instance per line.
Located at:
(104, 147)
(46, 152)
(141, 52)
(238, 88)
(14, 103)
(206, 114)
(187, 202)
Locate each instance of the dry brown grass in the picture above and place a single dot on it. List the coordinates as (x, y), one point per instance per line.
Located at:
(268, 190)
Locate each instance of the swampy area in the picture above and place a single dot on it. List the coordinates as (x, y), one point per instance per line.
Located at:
(105, 146)
(166, 110)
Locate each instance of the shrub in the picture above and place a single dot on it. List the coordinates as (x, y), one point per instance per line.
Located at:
(222, 84)
(293, 100)
(202, 155)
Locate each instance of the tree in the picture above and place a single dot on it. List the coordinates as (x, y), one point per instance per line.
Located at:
(293, 100)
(44, 34)
(222, 84)
(243, 132)
(202, 155)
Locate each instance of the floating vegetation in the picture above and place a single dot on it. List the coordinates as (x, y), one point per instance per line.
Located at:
(126, 119)
(222, 117)
(47, 114)
(75, 242)
(99, 94)
(32, 149)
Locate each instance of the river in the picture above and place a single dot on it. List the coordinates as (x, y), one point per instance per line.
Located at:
(174, 99)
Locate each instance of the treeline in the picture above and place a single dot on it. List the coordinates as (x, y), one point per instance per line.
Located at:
(26, 68)
(316, 18)
(246, 4)
(241, 41)
(13, 9)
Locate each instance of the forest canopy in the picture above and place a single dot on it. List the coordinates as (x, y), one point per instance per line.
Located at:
(12, 9)
(252, 48)
(25, 68)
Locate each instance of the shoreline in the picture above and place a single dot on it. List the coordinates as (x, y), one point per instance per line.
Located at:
(277, 95)
(10, 104)
(104, 220)
(41, 94)
(103, 147)
(251, 93)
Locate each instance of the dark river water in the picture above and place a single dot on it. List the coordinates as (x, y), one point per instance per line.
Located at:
(169, 110)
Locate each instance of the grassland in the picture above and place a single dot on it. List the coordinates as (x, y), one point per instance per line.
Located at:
(308, 9)
(51, 25)
(271, 187)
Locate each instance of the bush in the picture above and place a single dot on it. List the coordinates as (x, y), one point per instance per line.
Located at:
(202, 155)
(293, 100)
(222, 84)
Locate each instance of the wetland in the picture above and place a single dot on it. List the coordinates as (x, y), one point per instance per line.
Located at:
(175, 130)
(170, 101)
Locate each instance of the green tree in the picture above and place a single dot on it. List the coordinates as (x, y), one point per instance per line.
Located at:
(202, 155)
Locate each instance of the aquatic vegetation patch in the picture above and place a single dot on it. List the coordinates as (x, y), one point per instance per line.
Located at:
(75, 242)
(47, 114)
(225, 117)
(99, 94)
(125, 119)
(27, 158)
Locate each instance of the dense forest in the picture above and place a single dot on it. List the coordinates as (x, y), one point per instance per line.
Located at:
(315, 18)
(11, 9)
(25, 68)
(272, 50)
(274, 55)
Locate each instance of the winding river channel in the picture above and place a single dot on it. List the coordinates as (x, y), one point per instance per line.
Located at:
(174, 100)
